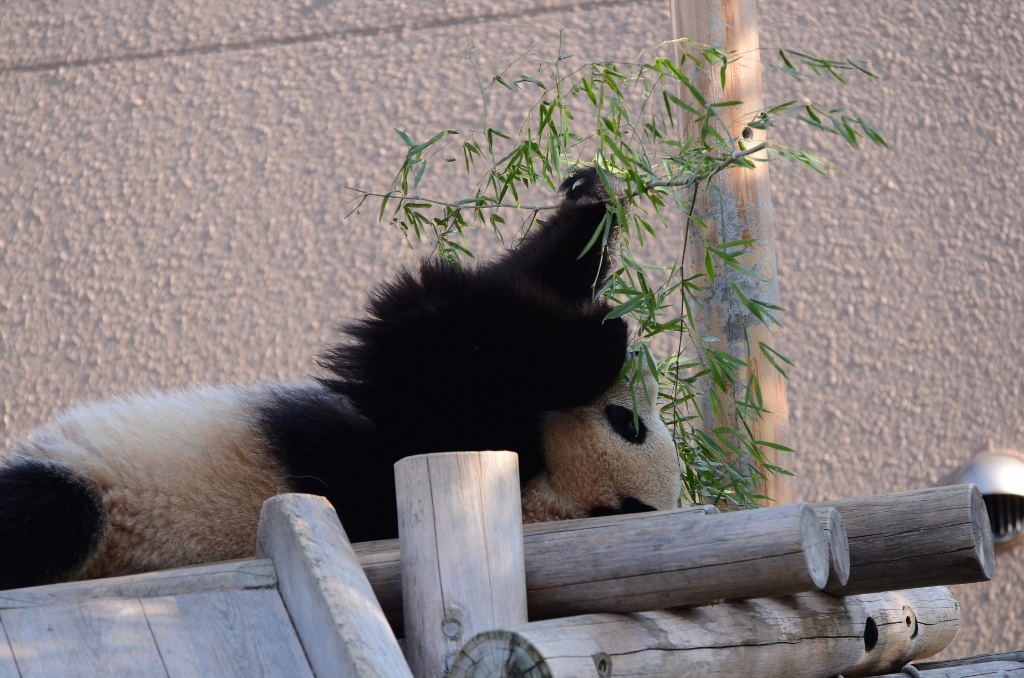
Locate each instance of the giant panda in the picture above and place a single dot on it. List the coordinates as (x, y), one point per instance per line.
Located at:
(514, 354)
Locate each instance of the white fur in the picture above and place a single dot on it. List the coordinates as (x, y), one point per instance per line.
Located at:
(590, 466)
(182, 476)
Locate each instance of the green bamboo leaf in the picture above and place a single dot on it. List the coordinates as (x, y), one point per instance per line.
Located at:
(405, 137)
(628, 307)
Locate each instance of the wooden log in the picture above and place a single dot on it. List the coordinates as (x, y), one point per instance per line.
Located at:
(461, 529)
(936, 536)
(382, 561)
(336, 616)
(839, 550)
(1016, 657)
(230, 575)
(225, 633)
(669, 560)
(650, 560)
(808, 635)
(992, 669)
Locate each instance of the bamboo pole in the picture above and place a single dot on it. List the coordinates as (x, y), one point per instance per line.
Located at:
(808, 635)
(461, 530)
(336, 616)
(649, 560)
(936, 536)
(737, 205)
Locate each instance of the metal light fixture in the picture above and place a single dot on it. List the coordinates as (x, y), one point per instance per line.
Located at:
(999, 475)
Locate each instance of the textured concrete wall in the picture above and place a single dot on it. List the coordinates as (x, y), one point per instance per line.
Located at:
(171, 203)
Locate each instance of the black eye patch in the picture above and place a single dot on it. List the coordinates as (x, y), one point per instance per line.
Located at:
(621, 420)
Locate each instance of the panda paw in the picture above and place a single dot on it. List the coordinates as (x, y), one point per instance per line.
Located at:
(583, 187)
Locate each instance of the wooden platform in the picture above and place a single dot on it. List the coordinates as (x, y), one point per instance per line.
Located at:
(303, 608)
(226, 619)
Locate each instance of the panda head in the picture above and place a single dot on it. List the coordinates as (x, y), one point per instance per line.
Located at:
(599, 460)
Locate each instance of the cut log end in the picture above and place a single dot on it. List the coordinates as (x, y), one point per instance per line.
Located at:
(816, 546)
(839, 548)
(508, 653)
(982, 533)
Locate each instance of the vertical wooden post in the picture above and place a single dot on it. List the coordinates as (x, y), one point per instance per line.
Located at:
(737, 205)
(463, 572)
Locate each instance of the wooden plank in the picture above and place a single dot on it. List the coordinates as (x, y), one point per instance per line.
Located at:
(229, 575)
(839, 549)
(8, 667)
(992, 669)
(382, 561)
(226, 633)
(461, 526)
(338, 619)
(1017, 656)
(808, 635)
(95, 638)
(936, 536)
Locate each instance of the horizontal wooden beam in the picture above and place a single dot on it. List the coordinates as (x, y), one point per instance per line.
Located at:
(995, 665)
(229, 575)
(808, 635)
(995, 669)
(932, 537)
(648, 561)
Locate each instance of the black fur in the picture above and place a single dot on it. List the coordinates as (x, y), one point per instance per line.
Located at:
(457, 358)
(50, 521)
(626, 424)
(330, 450)
(629, 505)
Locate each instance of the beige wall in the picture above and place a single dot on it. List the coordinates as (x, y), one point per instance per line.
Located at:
(171, 208)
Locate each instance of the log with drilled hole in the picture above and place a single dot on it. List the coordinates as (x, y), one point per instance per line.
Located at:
(808, 635)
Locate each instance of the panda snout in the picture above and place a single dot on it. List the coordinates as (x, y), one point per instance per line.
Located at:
(628, 505)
